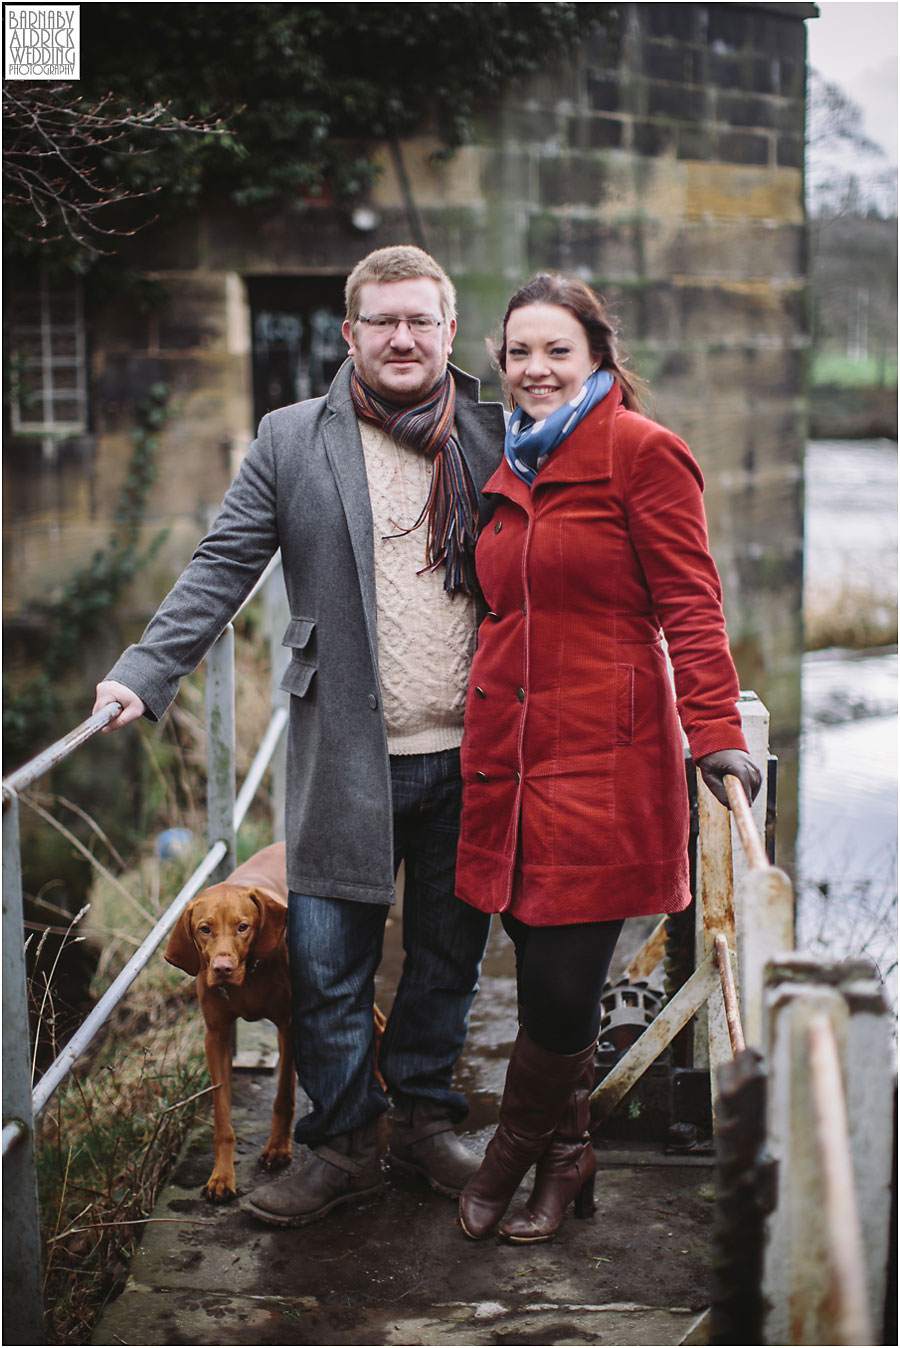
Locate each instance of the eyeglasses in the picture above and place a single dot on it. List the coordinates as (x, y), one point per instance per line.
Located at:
(390, 322)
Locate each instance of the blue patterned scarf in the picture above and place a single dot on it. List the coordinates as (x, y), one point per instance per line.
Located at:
(528, 442)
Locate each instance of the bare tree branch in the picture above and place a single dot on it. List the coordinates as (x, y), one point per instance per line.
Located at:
(63, 159)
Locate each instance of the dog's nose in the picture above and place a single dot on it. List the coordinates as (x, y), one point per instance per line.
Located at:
(223, 964)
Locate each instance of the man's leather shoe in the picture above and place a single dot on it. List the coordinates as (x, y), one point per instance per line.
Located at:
(423, 1142)
(342, 1170)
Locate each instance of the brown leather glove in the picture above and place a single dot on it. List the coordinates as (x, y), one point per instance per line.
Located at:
(716, 766)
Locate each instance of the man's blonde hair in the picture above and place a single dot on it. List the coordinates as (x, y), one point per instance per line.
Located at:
(400, 262)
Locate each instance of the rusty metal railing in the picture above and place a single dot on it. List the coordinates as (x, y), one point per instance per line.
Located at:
(22, 1305)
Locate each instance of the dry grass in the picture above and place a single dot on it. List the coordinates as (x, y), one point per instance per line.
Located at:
(105, 1144)
(853, 614)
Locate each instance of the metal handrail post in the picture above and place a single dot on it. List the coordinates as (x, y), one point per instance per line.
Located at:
(763, 895)
(23, 1314)
(798, 1292)
(220, 789)
(840, 1215)
(714, 916)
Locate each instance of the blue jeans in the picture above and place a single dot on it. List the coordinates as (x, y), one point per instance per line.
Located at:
(335, 948)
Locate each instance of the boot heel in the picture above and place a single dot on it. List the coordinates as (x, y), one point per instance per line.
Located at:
(585, 1205)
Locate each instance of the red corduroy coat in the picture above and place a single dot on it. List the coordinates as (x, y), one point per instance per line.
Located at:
(574, 797)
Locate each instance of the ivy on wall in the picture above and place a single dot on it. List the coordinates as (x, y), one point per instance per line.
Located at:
(266, 104)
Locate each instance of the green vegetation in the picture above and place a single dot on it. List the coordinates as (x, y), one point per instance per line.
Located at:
(830, 369)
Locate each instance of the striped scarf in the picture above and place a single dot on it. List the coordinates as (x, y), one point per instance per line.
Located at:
(452, 504)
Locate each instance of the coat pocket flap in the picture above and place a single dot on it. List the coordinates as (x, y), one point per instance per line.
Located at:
(296, 678)
(298, 633)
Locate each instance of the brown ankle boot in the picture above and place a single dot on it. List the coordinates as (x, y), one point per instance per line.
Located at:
(565, 1171)
(423, 1142)
(344, 1169)
(538, 1086)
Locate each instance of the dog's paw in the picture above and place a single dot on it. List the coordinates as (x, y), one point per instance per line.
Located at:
(275, 1157)
(219, 1189)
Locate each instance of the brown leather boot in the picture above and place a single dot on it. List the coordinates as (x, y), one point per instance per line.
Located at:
(565, 1171)
(424, 1143)
(538, 1087)
(343, 1170)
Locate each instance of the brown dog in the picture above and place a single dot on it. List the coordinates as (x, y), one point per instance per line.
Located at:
(231, 936)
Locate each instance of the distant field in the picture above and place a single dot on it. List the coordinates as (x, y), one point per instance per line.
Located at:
(834, 369)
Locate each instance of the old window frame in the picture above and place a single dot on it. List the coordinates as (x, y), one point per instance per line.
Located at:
(49, 359)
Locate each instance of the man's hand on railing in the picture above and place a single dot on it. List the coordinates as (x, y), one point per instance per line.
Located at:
(132, 706)
(715, 767)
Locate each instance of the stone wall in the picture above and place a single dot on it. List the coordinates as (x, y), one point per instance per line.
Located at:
(663, 164)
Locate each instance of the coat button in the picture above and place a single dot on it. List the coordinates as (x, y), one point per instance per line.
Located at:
(373, 701)
(495, 617)
(498, 526)
(481, 776)
(518, 779)
(520, 694)
(481, 692)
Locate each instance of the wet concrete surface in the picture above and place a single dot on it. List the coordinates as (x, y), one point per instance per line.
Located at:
(396, 1269)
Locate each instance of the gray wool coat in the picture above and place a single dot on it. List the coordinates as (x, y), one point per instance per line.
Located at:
(302, 487)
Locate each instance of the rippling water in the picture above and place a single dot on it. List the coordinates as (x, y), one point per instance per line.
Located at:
(847, 843)
(851, 513)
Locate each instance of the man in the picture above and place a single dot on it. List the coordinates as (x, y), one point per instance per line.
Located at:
(373, 495)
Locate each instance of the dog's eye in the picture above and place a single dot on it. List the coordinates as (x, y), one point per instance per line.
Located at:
(243, 926)
(205, 928)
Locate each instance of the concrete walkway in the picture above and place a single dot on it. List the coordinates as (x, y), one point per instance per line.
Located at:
(397, 1269)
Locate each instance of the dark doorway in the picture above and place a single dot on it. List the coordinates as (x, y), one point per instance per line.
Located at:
(297, 342)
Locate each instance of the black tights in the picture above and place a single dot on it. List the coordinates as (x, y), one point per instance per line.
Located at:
(560, 973)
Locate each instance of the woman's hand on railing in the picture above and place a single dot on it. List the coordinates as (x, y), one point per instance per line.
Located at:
(735, 762)
(132, 705)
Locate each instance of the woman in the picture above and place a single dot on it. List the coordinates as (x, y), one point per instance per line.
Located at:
(575, 811)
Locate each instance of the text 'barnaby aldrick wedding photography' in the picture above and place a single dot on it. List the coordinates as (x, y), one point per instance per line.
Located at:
(42, 42)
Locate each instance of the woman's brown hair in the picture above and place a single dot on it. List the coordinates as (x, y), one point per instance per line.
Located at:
(586, 306)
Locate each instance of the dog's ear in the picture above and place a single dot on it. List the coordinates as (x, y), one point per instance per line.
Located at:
(180, 949)
(272, 920)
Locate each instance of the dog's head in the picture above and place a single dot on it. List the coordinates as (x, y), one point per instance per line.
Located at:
(224, 930)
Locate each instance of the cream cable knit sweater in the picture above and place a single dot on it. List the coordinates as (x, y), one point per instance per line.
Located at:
(425, 638)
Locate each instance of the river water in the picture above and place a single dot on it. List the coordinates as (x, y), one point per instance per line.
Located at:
(847, 841)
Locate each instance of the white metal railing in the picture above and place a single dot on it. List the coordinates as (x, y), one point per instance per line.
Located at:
(22, 1303)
